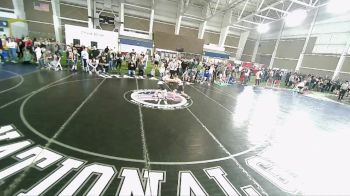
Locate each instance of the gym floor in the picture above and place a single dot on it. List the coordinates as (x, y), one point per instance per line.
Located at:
(230, 140)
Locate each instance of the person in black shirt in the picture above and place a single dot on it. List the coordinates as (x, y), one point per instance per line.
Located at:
(110, 56)
(106, 49)
(95, 53)
(142, 64)
(119, 61)
(132, 63)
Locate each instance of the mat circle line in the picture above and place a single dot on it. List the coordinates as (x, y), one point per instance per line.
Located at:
(15, 86)
(28, 125)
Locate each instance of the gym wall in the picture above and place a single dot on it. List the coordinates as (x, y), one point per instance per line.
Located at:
(327, 41)
(346, 66)
(73, 12)
(288, 53)
(136, 23)
(6, 4)
(265, 50)
(189, 32)
(169, 41)
(40, 23)
(248, 50)
(211, 38)
(232, 40)
(232, 51)
(163, 27)
(345, 71)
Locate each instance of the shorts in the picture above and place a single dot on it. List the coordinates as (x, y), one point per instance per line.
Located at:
(156, 62)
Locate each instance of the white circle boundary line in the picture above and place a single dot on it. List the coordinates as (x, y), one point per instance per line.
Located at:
(27, 124)
(15, 75)
(142, 105)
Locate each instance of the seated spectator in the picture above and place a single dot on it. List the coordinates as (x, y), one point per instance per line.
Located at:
(27, 56)
(55, 64)
(92, 66)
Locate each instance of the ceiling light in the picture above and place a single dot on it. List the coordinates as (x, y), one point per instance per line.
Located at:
(295, 17)
(263, 28)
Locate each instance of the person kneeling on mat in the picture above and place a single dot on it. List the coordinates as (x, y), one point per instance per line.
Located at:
(175, 81)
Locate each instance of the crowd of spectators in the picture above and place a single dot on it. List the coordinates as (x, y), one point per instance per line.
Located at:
(44, 52)
(48, 53)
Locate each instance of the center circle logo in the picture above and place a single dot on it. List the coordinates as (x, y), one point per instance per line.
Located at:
(158, 99)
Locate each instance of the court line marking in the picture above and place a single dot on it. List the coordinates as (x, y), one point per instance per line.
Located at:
(228, 153)
(15, 86)
(225, 149)
(26, 123)
(36, 71)
(212, 100)
(28, 94)
(49, 142)
(216, 91)
(75, 112)
(143, 135)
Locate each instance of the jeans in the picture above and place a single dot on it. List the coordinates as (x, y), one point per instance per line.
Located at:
(41, 63)
(110, 64)
(131, 72)
(13, 54)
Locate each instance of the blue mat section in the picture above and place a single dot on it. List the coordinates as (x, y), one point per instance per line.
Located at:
(17, 68)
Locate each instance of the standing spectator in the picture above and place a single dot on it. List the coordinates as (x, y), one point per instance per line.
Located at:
(70, 58)
(75, 60)
(28, 44)
(173, 67)
(12, 46)
(156, 60)
(95, 53)
(38, 53)
(161, 71)
(142, 64)
(1, 48)
(106, 50)
(343, 88)
(119, 62)
(85, 58)
(20, 48)
(132, 63)
(258, 77)
(110, 58)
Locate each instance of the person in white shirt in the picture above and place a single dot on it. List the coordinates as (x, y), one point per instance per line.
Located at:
(161, 70)
(301, 87)
(12, 45)
(173, 67)
(156, 60)
(211, 73)
(92, 66)
(258, 77)
(85, 58)
(343, 88)
(38, 53)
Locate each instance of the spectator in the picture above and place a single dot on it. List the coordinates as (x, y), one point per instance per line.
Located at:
(343, 88)
(12, 46)
(85, 59)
